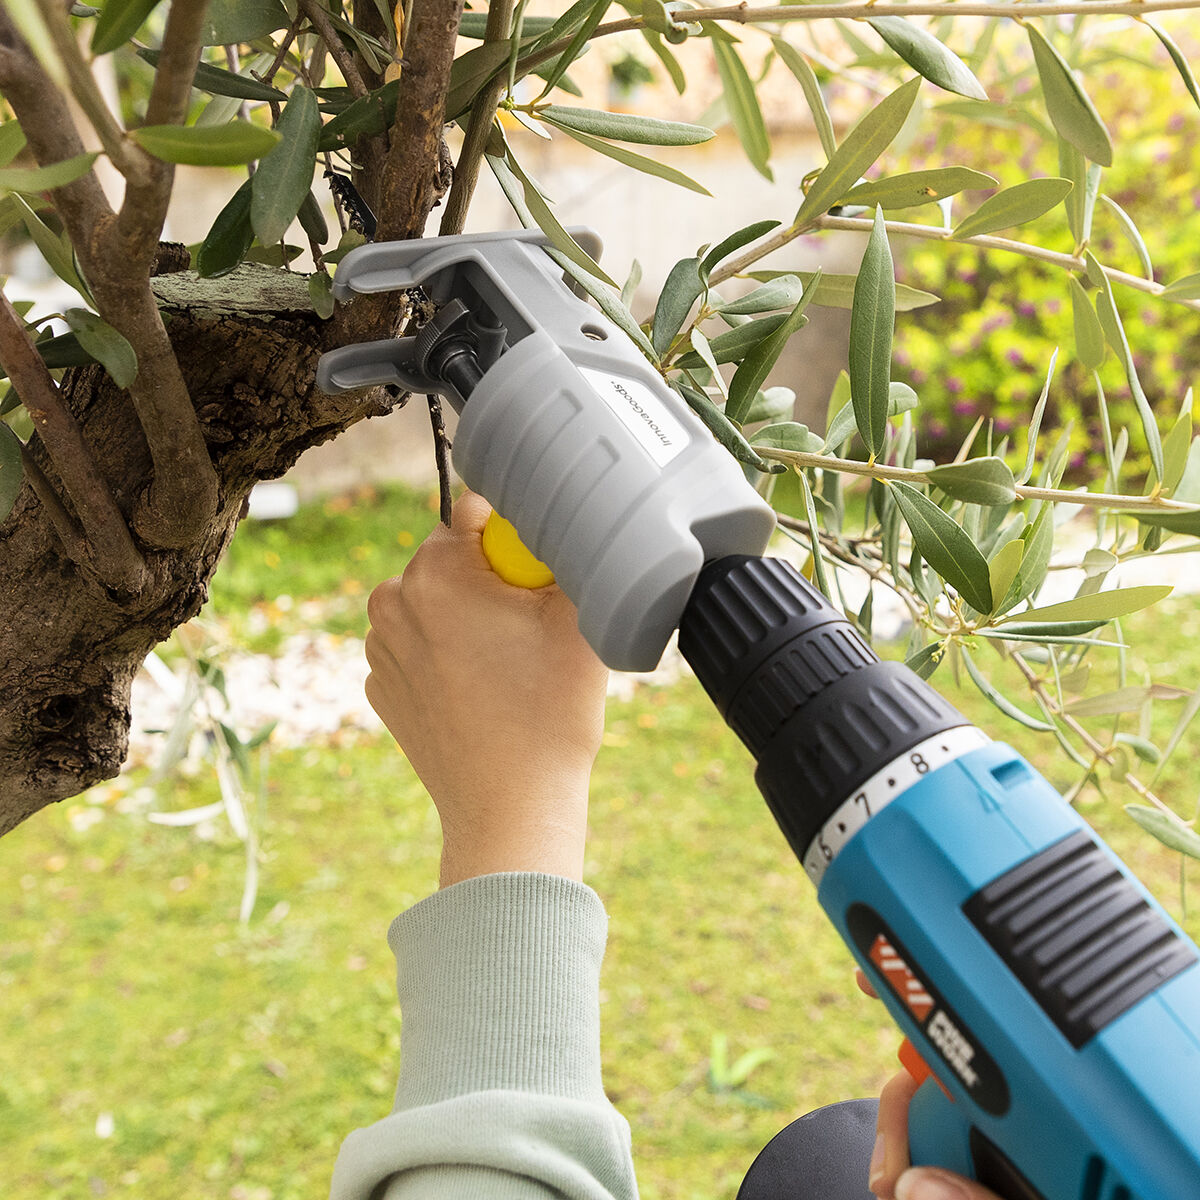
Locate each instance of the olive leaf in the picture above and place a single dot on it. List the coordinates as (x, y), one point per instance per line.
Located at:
(945, 546)
(228, 145)
(230, 237)
(11, 470)
(1014, 206)
(860, 148)
(680, 292)
(284, 176)
(32, 180)
(1099, 606)
(978, 481)
(626, 127)
(104, 344)
(735, 241)
(639, 162)
(1089, 337)
(744, 110)
(1071, 111)
(923, 52)
(872, 322)
(798, 65)
(918, 187)
(1172, 833)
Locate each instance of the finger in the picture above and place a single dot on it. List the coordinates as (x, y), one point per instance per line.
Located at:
(890, 1158)
(864, 984)
(469, 515)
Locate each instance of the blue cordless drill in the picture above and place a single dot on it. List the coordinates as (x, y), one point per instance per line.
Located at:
(1052, 1003)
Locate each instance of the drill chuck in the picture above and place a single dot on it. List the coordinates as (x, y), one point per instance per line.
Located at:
(814, 704)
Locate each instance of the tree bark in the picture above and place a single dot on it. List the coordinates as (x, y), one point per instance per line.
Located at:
(69, 648)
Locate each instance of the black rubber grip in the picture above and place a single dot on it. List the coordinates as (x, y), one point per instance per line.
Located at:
(797, 683)
(1079, 935)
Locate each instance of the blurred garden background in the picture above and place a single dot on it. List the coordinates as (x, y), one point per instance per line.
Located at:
(204, 1004)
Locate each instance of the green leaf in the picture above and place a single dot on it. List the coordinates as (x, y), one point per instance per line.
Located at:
(32, 180)
(923, 52)
(1085, 180)
(229, 238)
(577, 44)
(744, 111)
(284, 176)
(1099, 606)
(1133, 234)
(207, 146)
(1003, 567)
(639, 162)
(1172, 833)
(735, 241)
(1114, 332)
(1071, 111)
(669, 61)
(1035, 422)
(55, 250)
(756, 366)
(679, 293)
(918, 187)
(725, 431)
(104, 344)
(901, 399)
(798, 65)
(1014, 206)
(872, 323)
(12, 141)
(1089, 337)
(11, 470)
(235, 21)
(320, 292)
(625, 127)
(782, 292)
(26, 15)
(219, 82)
(772, 404)
(734, 344)
(861, 147)
(312, 220)
(837, 291)
(945, 546)
(508, 171)
(1123, 700)
(368, 116)
(1006, 706)
(1176, 446)
(926, 660)
(978, 481)
(789, 435)
(1181, 63)
(118, 21)
(700, 345)
(1185, 288)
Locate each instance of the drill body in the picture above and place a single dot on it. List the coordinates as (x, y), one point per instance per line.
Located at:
(1053, 1001)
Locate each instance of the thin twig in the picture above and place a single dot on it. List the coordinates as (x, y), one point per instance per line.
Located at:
(1099, 752)
(440, 445)
(877, 470)
(316, 13)
(479, 127)
(117, 561)
(67, 528)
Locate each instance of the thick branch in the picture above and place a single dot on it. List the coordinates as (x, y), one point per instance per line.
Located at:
(145, 206)
(316, 13)
(479, 127)
(50, 130)
(115, 558)
(412, 167)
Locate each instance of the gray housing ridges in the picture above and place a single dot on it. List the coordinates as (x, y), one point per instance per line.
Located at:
(609, 478)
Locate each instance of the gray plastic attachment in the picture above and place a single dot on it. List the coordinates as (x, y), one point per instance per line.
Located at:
(607, 474)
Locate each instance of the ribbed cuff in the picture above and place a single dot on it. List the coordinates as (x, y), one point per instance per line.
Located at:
(498, 978)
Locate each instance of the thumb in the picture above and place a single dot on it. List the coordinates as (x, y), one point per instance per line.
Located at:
(469, 515)
(932, 1183)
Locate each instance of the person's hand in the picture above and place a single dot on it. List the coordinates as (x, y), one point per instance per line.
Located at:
(495, 698)
(891, 1176)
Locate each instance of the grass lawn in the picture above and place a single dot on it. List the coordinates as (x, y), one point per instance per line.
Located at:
(153, 1048)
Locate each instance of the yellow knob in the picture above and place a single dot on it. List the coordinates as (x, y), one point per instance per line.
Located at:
(509, 558)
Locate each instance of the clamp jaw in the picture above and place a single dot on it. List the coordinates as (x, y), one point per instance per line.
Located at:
(565, 428)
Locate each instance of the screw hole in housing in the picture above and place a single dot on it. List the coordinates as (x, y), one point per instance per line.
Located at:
(594, 332)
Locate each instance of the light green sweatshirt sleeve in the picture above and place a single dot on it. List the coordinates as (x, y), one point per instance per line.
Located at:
(499, 1094)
